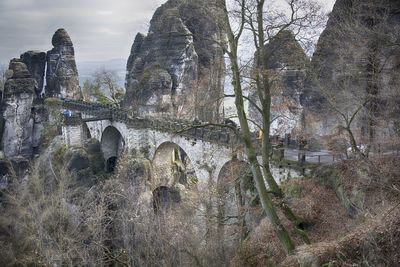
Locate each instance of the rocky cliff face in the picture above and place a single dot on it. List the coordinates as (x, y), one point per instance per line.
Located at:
(287, 63)
(19, 93)
(62, 74)
(177, 69)
(357, 52)
(36, 63)
(22, 107)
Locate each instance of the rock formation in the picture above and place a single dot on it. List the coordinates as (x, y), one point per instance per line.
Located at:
(36, 63)
(177, 69)
(355, 52)
(62, 74)
(22, 107)
(287, 63)
(19, 93)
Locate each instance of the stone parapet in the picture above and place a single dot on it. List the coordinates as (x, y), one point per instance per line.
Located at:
(180, 127)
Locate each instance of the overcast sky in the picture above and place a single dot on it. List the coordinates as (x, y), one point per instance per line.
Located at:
(99, 29)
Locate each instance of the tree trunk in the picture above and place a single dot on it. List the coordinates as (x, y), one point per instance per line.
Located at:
(245, 135)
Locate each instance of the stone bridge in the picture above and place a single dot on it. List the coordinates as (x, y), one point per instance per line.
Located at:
(172, 146)
(201, 151)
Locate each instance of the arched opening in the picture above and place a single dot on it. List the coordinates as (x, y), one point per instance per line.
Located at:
(164, 198)
(86, 132)
(112, 145)
(235, 192)
(234, 175)
(111, 164)
(172, 166)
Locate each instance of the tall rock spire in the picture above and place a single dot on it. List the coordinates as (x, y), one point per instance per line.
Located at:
(286, 62)
(19, 92)
(356, 56)
(176, 69)
(35, 61)
(62, 74)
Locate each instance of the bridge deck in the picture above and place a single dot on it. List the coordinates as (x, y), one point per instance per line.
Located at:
(220, 135)
(96, 112)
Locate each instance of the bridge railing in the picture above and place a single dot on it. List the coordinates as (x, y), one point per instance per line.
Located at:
(186, 128)
(180, 127)
(103, 111)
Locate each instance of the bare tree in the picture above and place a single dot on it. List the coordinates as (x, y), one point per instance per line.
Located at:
(359, 82)
(342, 100)
(264, 22)
(106, 88)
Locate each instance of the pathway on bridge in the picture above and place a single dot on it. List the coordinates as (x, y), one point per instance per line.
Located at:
(322, 156)
(210, 134)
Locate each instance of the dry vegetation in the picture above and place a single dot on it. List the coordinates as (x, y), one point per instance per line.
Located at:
(61, 218)
(352, 211)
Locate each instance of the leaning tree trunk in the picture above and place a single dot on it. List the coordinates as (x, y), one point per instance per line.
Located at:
(245, 135)
(263, 85)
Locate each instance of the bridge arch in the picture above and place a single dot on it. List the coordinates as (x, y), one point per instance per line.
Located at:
(233, 173)
(86, 131)
(172, 166)
(234, 188)
(112, 145)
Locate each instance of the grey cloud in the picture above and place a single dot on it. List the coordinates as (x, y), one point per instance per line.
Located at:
(100, 29)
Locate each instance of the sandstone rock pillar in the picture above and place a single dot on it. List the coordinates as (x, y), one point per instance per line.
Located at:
(35, 61)
(62, 74)
(19, 92)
